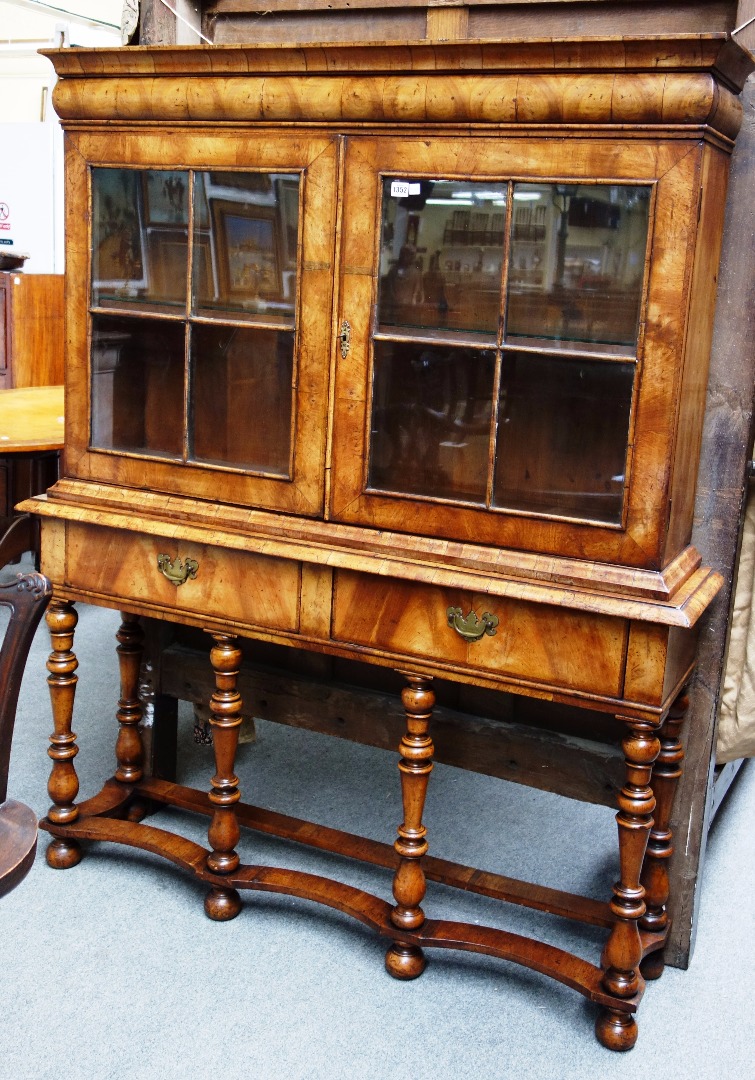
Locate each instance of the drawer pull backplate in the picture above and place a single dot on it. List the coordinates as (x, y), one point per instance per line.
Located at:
(472, 628)
(176, 571)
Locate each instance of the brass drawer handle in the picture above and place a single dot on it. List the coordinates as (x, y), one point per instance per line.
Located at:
(175, 571)
(472, 628)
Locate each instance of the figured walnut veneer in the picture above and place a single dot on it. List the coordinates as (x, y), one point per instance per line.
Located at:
(597, 613)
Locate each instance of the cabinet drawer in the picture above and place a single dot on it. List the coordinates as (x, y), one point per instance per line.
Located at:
(240, 586)
(537, 642)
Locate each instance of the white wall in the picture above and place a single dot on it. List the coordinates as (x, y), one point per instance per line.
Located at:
(31, 187)
(31, 154)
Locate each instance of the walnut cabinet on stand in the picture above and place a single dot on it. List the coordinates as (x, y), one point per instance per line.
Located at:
(395, 353)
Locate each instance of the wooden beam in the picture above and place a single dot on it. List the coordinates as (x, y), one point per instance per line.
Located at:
(157, 25)
(576, 767)
(721, 493)
(745, 12)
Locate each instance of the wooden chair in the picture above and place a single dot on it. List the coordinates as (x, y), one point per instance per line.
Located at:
(27, 596)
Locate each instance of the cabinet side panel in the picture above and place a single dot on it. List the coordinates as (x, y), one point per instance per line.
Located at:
(53, 549)
(76, 308)
(715, 169)
(646, 659)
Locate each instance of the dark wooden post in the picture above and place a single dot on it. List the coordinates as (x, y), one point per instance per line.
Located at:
(157, 25)
(655, 878)
(128, 748)
(721, 492)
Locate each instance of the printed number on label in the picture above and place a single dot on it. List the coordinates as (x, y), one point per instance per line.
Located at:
(401, 188)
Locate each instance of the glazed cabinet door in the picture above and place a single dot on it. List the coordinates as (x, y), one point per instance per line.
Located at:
(512, 316)
(205, 266)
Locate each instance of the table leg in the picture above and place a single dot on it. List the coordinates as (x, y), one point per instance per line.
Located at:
(223, 834)
(128, 748)
(415, 765)
(666, 773)
(63, 785)
(159, 724)
(621, 958)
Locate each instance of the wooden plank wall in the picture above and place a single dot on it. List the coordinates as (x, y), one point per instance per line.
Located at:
(228, 21)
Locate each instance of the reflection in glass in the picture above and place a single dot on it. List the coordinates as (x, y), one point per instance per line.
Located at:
(441, 250)
(577, 262)
(431, 413)
(246, 228)
(562, 436)
(241, 381)
(139, 236)
(137, 385)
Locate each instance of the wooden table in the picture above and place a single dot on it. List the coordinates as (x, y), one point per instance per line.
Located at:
(31, 438)
(31, 420)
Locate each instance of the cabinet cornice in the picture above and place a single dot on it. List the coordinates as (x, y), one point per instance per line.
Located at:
(664, 100)
(625, 83)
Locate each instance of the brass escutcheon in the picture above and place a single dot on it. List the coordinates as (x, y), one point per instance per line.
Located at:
(345, 338)
(175, 571)
(472, 628)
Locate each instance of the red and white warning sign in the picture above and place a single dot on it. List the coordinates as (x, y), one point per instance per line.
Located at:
(4, 217)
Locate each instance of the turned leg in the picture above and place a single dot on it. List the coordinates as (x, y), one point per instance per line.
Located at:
(223, 834)
(128, 748)
(621, 958)
(655, 878)
(159, 723)
(63, 786)
(416, 749)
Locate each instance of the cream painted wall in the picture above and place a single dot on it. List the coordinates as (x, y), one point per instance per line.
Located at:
(31, 172)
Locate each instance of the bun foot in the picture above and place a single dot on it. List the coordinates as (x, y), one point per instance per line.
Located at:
(138, 810)
(63, 854)
(616, 1030)
(405, 961)
(652, 967)
(222, 904)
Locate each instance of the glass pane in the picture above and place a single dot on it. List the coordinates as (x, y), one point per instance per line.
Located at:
(562, 436)
(431, 414)
(246, 234)
(577, 262)
(242, 397)
(139, 237)
(441, 251)
(138, 385)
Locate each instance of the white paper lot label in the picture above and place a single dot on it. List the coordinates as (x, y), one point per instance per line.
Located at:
(401, 188)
